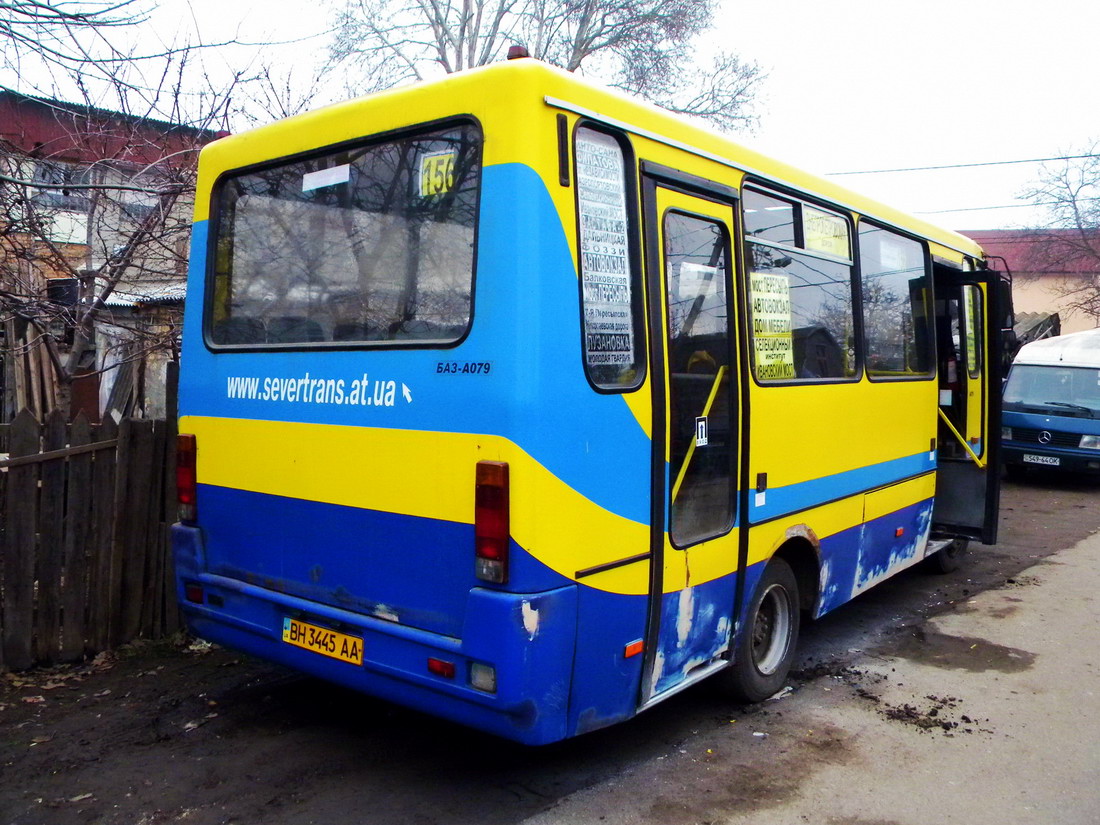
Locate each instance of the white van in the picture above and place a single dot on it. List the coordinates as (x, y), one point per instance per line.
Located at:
(1051, 415)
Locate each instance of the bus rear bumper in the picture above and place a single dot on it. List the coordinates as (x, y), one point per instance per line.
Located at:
(527, 641)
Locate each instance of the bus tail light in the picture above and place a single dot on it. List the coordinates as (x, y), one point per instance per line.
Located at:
(491, 528)
(186, 482)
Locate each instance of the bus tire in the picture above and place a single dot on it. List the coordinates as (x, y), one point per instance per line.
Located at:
(948, 559)
(766, 647)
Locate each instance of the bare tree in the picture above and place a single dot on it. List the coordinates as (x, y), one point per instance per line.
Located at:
(1069, 241)
(94, 220)
(647, 47)
(62, 34)
(95, 195)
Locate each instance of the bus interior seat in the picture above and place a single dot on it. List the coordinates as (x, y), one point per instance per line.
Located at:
(417, 330)
(293, 329)
(239, 330)
(351, 331)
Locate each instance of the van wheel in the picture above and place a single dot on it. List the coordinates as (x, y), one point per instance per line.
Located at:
(948, 559)
(766, 645)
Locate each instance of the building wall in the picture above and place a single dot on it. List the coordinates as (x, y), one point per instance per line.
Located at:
(60, 147)
(1042, 293)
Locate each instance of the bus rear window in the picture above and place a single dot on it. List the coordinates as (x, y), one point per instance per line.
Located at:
(367, 244)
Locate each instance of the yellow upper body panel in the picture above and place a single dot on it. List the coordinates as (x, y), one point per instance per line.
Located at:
(515, 102)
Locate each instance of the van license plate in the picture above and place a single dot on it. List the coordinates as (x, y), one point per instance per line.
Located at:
(1049, 460)
(324, 641)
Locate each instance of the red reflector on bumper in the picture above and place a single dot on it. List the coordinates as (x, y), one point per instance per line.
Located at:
(441, 668)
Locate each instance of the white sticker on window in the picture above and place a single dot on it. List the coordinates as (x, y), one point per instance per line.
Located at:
(892, 254)
(701, 437)
(326, 177)
(697, 280)
(604, 247)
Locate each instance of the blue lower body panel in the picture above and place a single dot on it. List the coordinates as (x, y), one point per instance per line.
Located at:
(854, 560)
(528, 639)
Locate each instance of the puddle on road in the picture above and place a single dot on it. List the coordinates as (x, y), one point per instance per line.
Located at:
(970, 653)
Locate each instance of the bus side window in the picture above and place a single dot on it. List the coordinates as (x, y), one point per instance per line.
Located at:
(800, 290)
(701, 467)
(896, 303)
(609, 276)
(972, 329)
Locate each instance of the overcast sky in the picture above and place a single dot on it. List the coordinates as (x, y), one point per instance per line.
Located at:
(880, 84)
(858, 85)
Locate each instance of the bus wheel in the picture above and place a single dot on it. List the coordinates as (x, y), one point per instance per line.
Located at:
(948, 559)
(766, 646)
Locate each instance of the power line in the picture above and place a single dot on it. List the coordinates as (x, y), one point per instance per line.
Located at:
(983, 208)
(961, 165)
(1003, 206)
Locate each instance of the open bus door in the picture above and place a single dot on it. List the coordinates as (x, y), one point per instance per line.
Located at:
(689, 228)
(972, 308)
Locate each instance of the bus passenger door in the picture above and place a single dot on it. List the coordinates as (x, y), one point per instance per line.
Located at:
(969, 309)
(696, 433)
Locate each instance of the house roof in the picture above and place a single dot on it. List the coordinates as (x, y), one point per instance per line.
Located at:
(1041, 251)
(46, 128)
(155, 292)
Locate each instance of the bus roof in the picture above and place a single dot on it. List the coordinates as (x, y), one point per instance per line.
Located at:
(1078, 349)
(568, 92)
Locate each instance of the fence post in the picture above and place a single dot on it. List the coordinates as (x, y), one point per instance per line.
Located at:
(50, 541)
(150, 509)
(130, 562)
(19, 540)
(103, 519)
(79, 533)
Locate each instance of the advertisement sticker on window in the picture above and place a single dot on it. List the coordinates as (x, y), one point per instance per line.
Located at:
(772, 341)
(604, 251)
(825, 232)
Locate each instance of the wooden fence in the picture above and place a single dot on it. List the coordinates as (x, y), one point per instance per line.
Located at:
(84, 554)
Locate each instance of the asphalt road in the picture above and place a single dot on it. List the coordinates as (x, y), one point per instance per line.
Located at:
(970, 697)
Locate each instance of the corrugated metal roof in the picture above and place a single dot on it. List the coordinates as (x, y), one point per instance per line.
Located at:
(163, 292)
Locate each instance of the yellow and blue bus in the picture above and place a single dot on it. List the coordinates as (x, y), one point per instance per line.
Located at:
(520, 402)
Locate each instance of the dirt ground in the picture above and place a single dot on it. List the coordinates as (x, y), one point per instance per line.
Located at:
(181, 732)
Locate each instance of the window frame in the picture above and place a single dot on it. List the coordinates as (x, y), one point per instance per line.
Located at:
(362, 142)
(798, 200)
(931, 372)
(978, 331)
(732, 300)
(634, 251)
(51, 178)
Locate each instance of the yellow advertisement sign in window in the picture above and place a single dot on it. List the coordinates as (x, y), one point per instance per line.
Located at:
(825, 232)
(772, 341)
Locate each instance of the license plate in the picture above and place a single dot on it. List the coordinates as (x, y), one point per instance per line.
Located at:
(324, 641)
(1049, 460)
